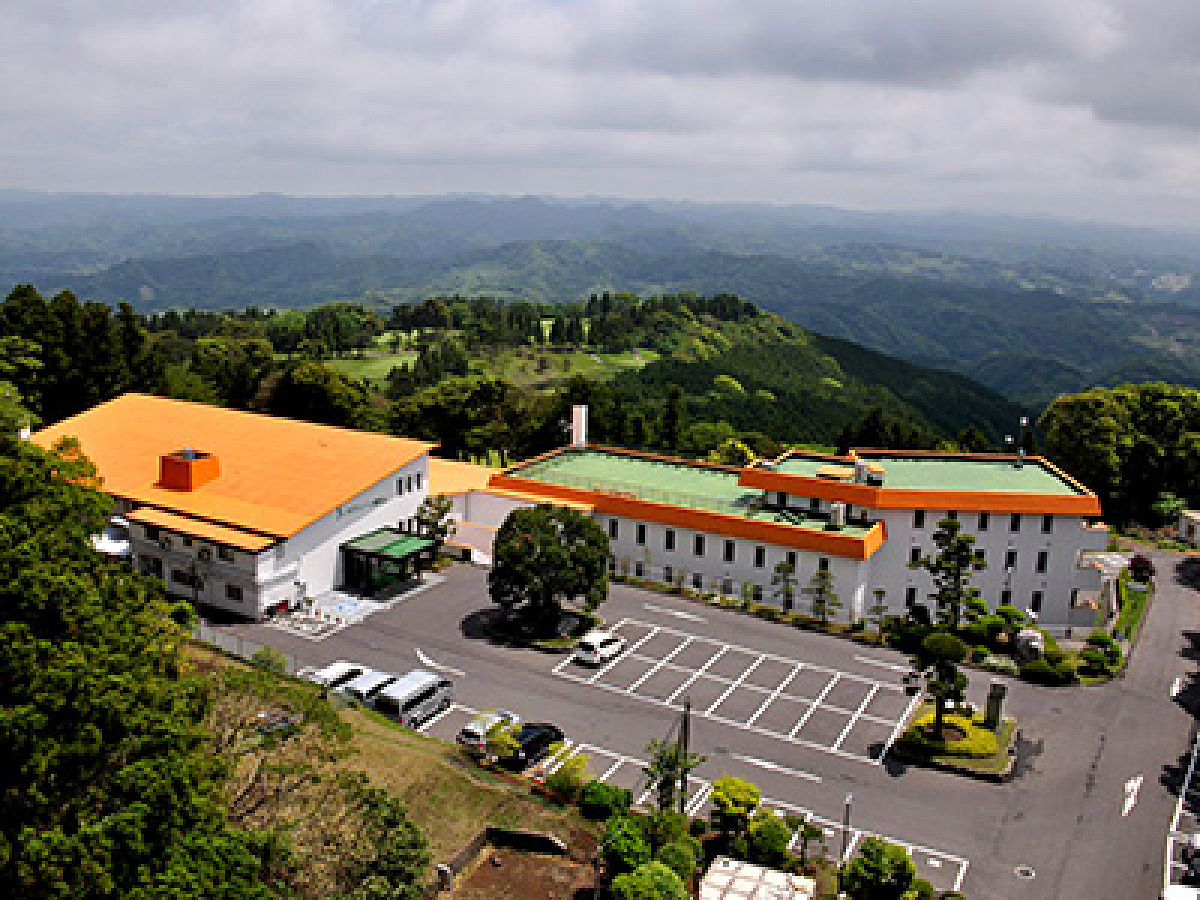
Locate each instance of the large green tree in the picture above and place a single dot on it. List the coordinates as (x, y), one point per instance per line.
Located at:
(880, 871)
(937, 660)
(544, 557)
(951, 569)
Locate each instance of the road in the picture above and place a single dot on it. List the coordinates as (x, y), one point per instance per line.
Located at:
(802, 715)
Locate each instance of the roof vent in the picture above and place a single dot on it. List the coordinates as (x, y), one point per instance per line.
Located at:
(187, 469)
(837, 516)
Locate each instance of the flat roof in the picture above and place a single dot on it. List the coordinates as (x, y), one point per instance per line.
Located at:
(277, 476)
(676, 482)
(450, 476)
(933, 472)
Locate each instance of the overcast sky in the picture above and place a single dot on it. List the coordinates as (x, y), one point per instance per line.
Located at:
(1082, 108)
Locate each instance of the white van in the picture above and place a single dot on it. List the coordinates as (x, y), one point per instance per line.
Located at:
(415, 697)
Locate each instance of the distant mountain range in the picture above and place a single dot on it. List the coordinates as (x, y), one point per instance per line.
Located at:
(1028, 307)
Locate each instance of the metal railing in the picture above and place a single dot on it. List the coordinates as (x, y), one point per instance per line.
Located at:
(240, 646)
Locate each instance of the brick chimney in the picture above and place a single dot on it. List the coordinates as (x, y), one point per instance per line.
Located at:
(187, 469)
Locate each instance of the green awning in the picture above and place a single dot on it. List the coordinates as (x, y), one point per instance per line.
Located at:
(388, 542)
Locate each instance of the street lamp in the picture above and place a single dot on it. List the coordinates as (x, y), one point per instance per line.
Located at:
(845, 838)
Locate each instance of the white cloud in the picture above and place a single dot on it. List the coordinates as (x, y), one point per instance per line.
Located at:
(1079, 106)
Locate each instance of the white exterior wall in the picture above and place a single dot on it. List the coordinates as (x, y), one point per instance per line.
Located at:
(850, 576)
(305, 565)
(1067, 539)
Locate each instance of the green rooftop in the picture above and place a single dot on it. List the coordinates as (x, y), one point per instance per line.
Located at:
(676, 482)
(390, 543)
(935, 473)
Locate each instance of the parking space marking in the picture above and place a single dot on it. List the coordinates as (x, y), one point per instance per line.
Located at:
(754, 699)
(733, 686)
(856, 715)
(775, 767)
(775, 693)
(697, 674)
(658, 665)
(908, 711)
(616, 659)
(437, 717)
(701, 797)
(883, 664)
(812, 708)
(650, 607)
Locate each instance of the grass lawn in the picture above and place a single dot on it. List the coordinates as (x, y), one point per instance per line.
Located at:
(967, 754)
(373, 367)
(538, 367)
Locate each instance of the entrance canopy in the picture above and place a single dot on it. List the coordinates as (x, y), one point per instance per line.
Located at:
(381, 557)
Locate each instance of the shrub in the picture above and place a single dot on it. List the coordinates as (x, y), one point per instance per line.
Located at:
(1055, 655)
(569, 778)
(698, 828)
(979, 743)
(979, 654)
(679, 857)
(1004, 665)
(665, 882)
(920, 889)
(270, 659)
(1101, 639)
(625, 847)
(632, 887)
(1041, 671)
(767, 839)
(599, 801)
(1093, 663)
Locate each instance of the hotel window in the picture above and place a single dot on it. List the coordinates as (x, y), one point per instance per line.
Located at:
(1006, 598)
(781, 498)
(408, 483)
(914, 556)
(983, 521)
(612, 564)
(760, 557)
(187, 541)
(668, 574)
(727, 587)
(418, 477)
(952, 514)
(613, 529)
(980, 558)
(823, 564)
(178, 576)
(698, 545)
(729, 551)
(1074, 597)
(910, 597)
(1047, 524)
(757, 593)
(791, 559)
(1035, 602)
(1043, 558)
(225, 554)
(1014, 522)
(233, 593)
(814, 503)
(640, 534)
(918, 518)
(151, 565)
(697, 580)
(669, 539)
(151, 532)
(639, 570)
(1010, 559)
(399, 486)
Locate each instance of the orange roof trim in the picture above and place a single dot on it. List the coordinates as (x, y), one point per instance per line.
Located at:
(209, 531)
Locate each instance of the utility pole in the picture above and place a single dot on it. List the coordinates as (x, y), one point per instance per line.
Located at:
(685, 727)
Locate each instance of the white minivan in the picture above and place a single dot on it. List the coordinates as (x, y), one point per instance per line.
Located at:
(415, 697)
(367, 684)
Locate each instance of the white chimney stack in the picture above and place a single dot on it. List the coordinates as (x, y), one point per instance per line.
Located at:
(579, 417)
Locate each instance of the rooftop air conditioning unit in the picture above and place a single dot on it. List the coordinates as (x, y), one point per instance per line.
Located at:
(837, 516)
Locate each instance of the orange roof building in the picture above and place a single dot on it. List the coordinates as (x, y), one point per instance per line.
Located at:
(242, 510)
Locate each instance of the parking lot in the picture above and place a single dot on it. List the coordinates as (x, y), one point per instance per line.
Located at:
(945, 871)
(836, 712)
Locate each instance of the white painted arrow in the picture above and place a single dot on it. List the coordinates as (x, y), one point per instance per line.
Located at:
(1132, 786)
(426, 661)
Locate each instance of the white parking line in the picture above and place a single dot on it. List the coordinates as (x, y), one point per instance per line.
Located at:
(673, 612)
(855, 716)
(616, 659)
(732, 687)
(900, 725)
(775, 767)
(698, 800)
(437, 717)
(883, 664)
(697, 674)
(813, 707)
(775, 693)
(658, 665)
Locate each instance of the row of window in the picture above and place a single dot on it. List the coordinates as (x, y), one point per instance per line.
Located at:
(1035, 599)
(152, 565)
(985, 520)
(699, 544)
(1010, 559)
(408, 484)
(697, 580)
(154, 533)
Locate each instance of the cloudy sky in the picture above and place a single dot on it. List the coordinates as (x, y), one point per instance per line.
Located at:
(1082, 108)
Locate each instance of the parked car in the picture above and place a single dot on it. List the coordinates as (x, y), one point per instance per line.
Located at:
(597, 647)
(533, 743)
(473, 736)
(415, 697)
(368, 684)
(333, 675)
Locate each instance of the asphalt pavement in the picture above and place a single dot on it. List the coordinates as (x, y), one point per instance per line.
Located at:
(806, 717)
